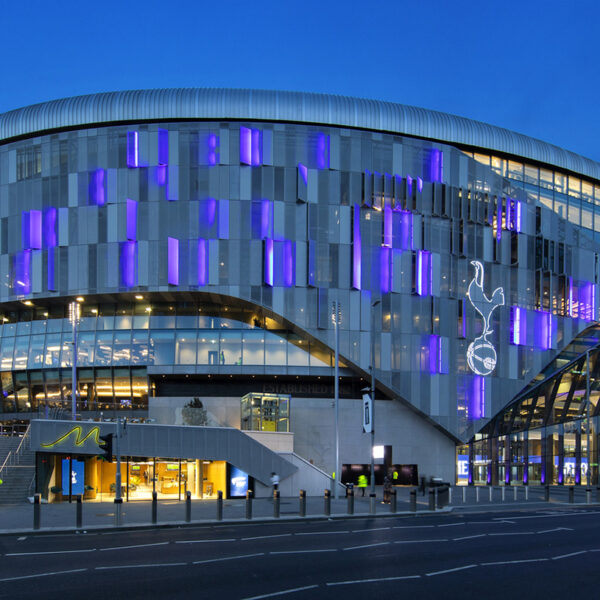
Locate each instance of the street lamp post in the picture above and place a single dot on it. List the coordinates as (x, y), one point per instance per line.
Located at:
(74, 316)
(336, 386)
(587, 425)
(373, 305)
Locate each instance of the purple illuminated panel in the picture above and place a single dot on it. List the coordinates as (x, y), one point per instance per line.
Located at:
(409, 186)
(436, 165)
(289, 276)
(545, 330)
(571, 306)
(96, 188)
(518, 216)
(587, 301)
(256, 154)
(434, 354)
(163, 147)
(423, 273)
(356, 250)
(385, 271)
(212, 149)
(128, 264)
(22, 270)
(323, 151)
(35, 229)
(161, 175)
(133, 149)
(173, 261)
(202, 262)
(419, 185)
(387, 226)
(50, 227)
(477, 398)
(518, 325)
(208, 211)
(245, 146)
(131, 219)
(268, 245)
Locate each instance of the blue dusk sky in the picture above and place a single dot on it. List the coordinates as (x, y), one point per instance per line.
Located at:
(527, 65)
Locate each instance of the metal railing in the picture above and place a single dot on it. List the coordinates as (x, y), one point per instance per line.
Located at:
(7, 462)
(24, 440)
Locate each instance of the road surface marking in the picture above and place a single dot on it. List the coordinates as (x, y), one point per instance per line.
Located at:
(205, 541)
(212, 560)
(282, 592)
(178, 564)
(20, 539)
(450, 570)
(469, 537)
(451, 524)
(43, 574)
(414, 527)
(321, 532)
(569, 555)
(556, 529)
(370, 529)
(514, 562)
(373, 580)
(514, 533)
(555, 514)
(136, 546)
(262, 537)
(418, 541)
(52, 552)
(367, 546)
(303, 551)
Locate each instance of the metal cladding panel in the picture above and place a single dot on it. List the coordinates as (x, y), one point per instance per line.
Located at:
(165, 441)
(205, 103)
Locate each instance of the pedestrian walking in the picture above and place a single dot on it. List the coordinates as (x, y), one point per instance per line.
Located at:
(387, 488)
(274, 483)
(362, 483)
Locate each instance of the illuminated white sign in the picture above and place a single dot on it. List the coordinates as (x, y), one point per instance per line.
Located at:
(481, 354)
(377, 451)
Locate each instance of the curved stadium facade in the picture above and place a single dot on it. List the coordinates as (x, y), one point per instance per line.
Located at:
(207, 235)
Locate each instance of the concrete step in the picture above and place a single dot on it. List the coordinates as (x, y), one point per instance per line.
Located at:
(16, 483)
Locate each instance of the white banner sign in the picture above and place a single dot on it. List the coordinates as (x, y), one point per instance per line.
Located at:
(367, 413)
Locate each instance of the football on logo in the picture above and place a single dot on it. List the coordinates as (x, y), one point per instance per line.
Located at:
(481, 356)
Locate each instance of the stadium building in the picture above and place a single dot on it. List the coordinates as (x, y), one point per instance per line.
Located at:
(209, 246)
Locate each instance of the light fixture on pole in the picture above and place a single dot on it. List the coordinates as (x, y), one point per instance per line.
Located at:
(336, 318)
(587, 425)
(74, 317)
(372, 368)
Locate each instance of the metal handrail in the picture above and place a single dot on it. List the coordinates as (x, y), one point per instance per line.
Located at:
(6, 460)
(25, 437)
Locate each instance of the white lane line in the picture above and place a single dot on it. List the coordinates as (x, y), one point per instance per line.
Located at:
(419, 541)
(370, 529)
(373, 580)
(213, 560)
(569, 555)
(514, 533)
(513, 562)
(204, 541)
(321, 532)
(367, 546)
(136, 546)
(52, 552)
(303, 551)
(178, 564)
(262, 537)
(20, 539)
(450, 570)
(556, 529)
(282, 592)
(488, 522)
(469, 537)
(554, 515)
(414, 527)
(43, 575)
(594, 550)
(451, 524)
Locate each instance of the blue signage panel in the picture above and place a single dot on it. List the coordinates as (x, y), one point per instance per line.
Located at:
(238, 482)
(77, 476)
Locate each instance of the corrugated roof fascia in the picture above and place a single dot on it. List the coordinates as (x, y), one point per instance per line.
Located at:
(222, 104)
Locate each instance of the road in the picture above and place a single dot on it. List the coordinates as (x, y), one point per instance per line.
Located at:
(520, 552)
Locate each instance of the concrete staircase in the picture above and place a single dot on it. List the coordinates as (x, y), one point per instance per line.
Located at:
(19, 470)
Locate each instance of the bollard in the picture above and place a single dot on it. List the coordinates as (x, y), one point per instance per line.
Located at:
(249, 504)
(442, 497)
(588, 496)
(393, 501)
(515, 493)
(598, 494)
(547, 493)
(36, 511)
(491, 490)
(571, 495)
(503, 493)
(327, 502)
(118, 509)
(450, 495)
(476, 494)
(372, 499)
(154, 507)
(79, 515)
(432, 499)
(219, 505)
(276, 504)
(302, 508)
(464, 494)
(350, 502)
(526, 492)
(413, 500)
(188, 506)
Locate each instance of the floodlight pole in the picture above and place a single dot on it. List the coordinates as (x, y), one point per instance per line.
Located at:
(336, 388)
(587, 425)
(74, 315)
(373, 305)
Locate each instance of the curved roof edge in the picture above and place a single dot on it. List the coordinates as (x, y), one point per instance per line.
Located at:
(264, 105)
